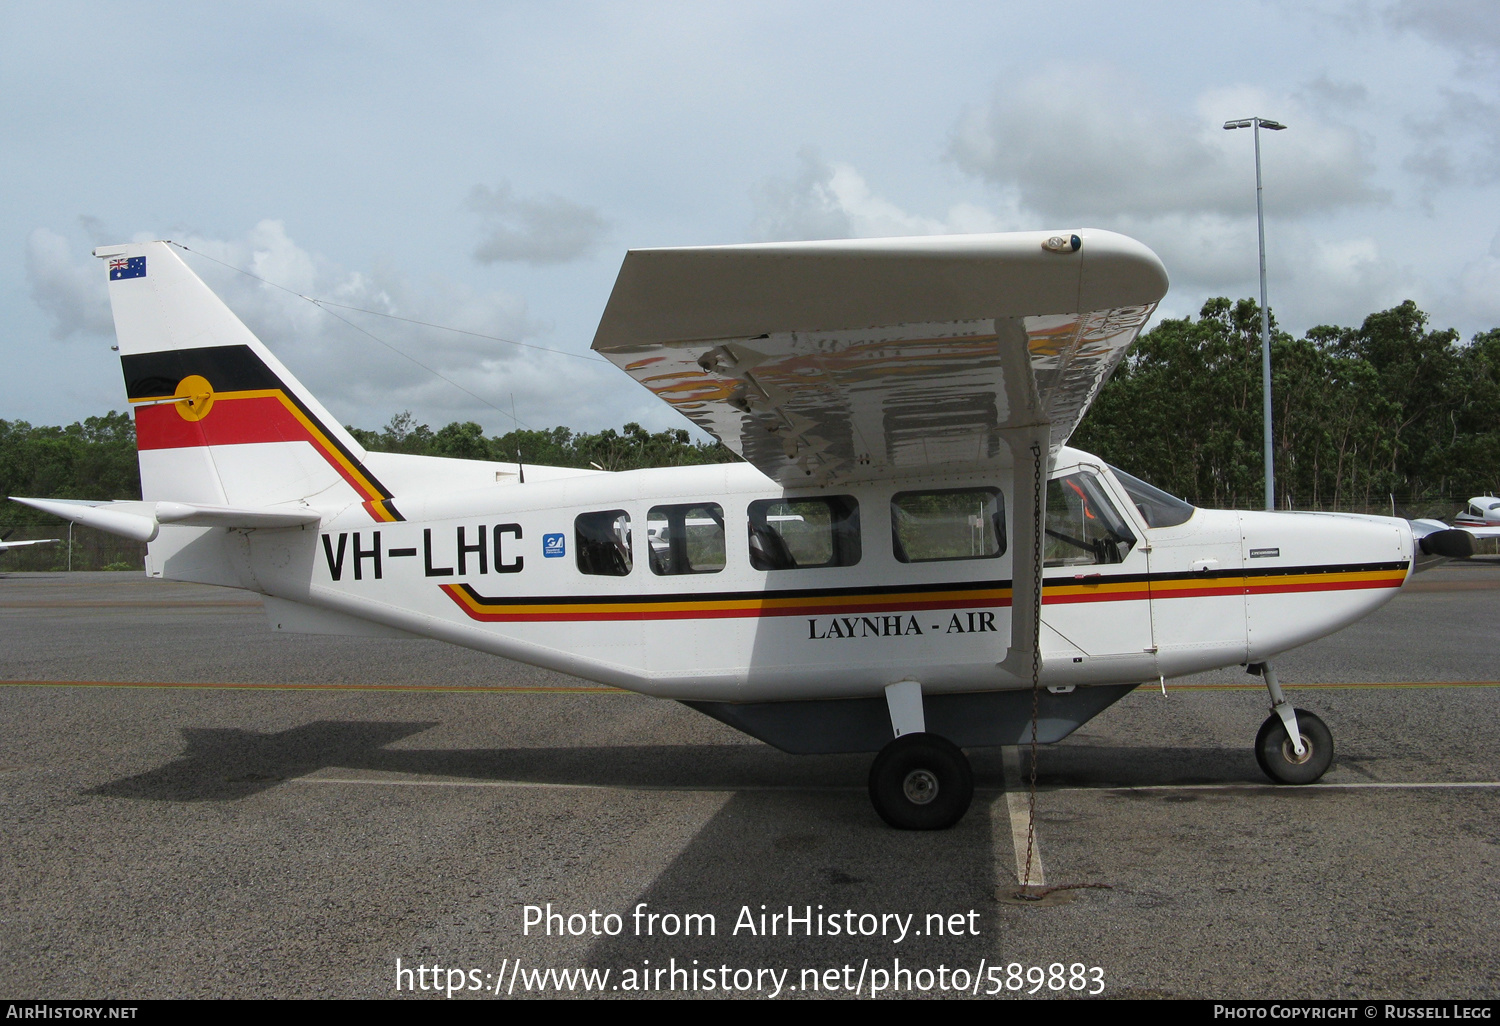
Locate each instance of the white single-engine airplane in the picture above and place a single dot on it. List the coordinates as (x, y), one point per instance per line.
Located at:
(1480, 517)
(910, 561)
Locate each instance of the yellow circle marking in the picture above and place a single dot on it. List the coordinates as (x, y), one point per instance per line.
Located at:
(196, 395)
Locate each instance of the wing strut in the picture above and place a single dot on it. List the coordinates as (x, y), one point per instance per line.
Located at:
(1023, 661)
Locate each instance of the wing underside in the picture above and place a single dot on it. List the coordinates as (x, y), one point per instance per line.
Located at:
(823, 362)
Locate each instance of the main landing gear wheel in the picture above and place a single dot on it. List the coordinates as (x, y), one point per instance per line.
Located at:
(1278, 757)
(921, 782)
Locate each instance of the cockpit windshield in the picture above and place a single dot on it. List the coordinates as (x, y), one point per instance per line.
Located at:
(1160, 508)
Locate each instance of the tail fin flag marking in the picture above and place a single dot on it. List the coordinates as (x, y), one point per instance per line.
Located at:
(201, 382)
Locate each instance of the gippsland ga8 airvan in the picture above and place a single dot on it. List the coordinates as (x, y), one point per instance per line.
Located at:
(910, 561)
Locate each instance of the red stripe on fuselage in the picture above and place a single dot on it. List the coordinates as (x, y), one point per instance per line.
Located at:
(814, 607)
(516, 613)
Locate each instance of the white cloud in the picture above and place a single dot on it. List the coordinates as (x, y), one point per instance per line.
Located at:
(1477, 293)
(1340, 280)
(72, 292)
(1460, 142)
(1096, 151)
(1095, 145)
(543, 230)
(1468, 27)
(361, 380)
(1316, 278)
(1325, 93)
(832, 200)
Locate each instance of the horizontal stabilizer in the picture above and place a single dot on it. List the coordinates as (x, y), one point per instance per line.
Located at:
(142, 520)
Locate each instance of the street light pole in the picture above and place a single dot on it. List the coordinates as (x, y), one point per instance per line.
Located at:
(1265, 314)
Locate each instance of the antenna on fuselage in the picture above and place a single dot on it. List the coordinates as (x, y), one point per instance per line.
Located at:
(520, 467)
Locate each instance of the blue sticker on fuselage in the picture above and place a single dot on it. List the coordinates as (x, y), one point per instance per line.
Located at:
(553, 546)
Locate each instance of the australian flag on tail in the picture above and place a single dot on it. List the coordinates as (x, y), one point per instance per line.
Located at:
(121, 268)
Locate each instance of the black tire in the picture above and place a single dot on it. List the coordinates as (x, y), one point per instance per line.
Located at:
(1273, 749)
(921, 782)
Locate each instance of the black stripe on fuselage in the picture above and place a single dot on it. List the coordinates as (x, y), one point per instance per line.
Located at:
(912, 589)
(1212, 575)
(733, 596)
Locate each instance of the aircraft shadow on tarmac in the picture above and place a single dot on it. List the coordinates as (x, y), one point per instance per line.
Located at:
(220, 764)
(821, 855)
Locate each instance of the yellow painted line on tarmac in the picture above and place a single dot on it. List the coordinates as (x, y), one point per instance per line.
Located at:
(1347, 686)
(1019, 836)
(132, 604)
(450, 689)
(564, 786)
(597, 690)
(1357, 785)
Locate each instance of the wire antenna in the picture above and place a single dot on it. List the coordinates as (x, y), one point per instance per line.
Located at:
(326, 305)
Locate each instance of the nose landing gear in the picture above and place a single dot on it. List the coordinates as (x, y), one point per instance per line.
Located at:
(1279, 759)
(1293, 746)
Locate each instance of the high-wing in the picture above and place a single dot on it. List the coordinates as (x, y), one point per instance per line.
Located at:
(881, 358)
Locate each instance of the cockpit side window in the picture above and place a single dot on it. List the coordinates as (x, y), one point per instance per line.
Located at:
(1083, 526)
(1158, 508)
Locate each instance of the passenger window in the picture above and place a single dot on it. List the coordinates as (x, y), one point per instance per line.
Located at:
(602, 542)
(685, 539)
(1083, 526)
(966, 523)
(795, 534)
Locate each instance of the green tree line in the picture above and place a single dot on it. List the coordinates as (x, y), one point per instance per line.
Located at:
(1391, 408)
(631, 449)
(96, 459)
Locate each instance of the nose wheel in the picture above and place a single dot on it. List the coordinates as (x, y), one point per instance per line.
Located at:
(1293, 746)
(921, 782)
(1279, 758)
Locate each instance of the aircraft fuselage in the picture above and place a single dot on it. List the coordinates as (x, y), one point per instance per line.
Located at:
(526, 571)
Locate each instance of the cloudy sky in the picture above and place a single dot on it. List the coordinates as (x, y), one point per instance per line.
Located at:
(485, 167)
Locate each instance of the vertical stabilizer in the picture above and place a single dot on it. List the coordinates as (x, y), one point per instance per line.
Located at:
(219, 420)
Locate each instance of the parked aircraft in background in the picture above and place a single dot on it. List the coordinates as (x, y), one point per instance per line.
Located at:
(6, 545)
(1480, 517)
(910, 561)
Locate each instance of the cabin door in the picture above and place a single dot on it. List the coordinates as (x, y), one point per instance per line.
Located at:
(1096, 594)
